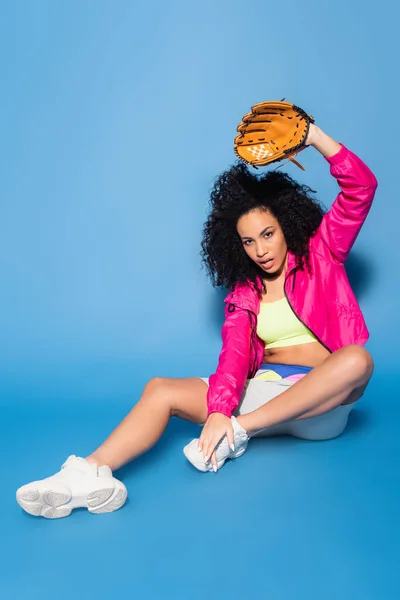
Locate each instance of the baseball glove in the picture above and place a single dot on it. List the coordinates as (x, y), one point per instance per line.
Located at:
(271, 132)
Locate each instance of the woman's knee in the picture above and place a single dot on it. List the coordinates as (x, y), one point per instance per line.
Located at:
(359, 363)
(156, 388)
(185, 397)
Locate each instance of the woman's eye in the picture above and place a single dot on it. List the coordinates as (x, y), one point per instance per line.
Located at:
(247, 242)
(268, 234)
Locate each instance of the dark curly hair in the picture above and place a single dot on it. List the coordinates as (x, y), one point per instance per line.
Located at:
(236, 192)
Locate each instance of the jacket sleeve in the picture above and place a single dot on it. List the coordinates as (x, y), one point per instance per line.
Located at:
(341, 225)
(227, 383)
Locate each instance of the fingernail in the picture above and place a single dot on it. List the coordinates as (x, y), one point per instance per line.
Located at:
(233, 447)
(206, 459)
(215, 469)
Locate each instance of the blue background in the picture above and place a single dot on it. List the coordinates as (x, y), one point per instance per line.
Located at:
(115, 119)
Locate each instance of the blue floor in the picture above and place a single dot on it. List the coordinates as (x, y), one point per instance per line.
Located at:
(289, 520)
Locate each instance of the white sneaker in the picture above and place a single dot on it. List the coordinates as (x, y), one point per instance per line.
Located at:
(78, 484)
(223, 451)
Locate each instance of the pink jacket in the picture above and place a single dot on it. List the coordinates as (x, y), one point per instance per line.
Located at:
(324, 301)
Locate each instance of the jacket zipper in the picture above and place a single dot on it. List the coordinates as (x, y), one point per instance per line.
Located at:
(301, 321)
(253, 319)
(253, 366)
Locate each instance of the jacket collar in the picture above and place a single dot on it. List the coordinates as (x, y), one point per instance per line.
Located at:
(245, 296)
(291, 263)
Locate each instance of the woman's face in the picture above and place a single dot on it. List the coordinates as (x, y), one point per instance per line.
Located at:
(263, 240)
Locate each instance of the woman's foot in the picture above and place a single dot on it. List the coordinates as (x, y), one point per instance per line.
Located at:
(222, 452)
(78, 484)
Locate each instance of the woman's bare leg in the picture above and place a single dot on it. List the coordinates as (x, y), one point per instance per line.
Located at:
(146, 422)
(340, 379)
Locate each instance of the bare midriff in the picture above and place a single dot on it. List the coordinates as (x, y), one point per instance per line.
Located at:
(305, 355)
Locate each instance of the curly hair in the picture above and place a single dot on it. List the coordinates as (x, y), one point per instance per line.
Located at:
(235, 193)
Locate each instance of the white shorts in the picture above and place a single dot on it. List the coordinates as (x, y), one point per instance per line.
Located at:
(258, 392)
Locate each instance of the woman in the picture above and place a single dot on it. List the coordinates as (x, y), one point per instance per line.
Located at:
(292, 360)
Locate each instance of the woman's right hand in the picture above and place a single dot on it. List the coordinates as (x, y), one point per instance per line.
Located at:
(217, 426)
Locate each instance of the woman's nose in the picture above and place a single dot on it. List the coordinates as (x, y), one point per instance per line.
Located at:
(261, 250)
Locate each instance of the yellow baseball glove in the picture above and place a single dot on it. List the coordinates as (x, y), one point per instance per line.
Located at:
(271, 132)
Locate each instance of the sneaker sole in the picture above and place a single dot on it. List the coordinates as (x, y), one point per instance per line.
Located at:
(52, 503)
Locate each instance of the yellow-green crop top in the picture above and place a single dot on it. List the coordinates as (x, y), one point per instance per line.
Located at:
(278, 326)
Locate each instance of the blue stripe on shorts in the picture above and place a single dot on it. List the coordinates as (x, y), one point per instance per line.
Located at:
(285, 370)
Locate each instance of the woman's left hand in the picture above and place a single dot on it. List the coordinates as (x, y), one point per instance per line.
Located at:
(311, 134)
(322, 142)
(217, 426)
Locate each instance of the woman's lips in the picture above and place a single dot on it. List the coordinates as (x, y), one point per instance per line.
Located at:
(267, 264)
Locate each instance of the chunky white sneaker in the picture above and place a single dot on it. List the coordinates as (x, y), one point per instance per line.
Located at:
(223, 451)
(78, 484)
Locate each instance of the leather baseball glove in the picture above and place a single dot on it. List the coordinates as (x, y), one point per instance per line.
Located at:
(271, 132)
